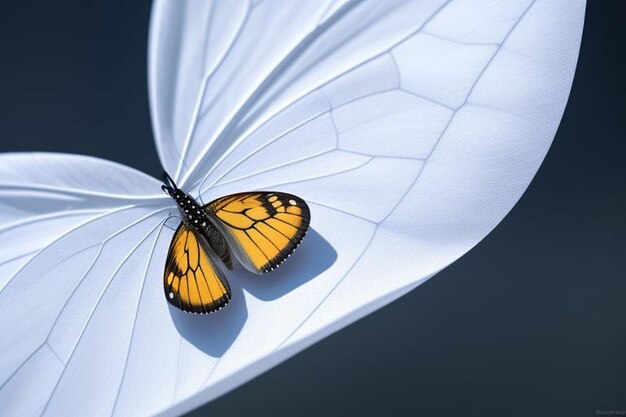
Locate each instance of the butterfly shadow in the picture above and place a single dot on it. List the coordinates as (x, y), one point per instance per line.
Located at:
(314, 256)
(213, 333)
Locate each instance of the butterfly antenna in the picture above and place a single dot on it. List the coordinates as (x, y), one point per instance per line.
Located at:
(167, 180)
(169, 186)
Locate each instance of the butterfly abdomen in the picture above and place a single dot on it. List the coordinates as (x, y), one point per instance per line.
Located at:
(217, 242)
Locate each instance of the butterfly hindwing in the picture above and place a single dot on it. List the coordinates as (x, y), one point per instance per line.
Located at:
(263, 228)
(194, 281)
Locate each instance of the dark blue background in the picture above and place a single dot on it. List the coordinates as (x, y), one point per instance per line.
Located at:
(530, 322)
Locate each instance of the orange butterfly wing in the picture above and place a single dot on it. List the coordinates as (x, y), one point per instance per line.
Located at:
(263, 228)
(194, 281)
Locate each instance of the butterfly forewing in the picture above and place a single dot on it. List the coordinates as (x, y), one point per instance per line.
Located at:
(194, 281)
(263, 228)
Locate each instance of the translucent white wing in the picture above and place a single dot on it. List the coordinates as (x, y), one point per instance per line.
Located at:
(410, 127)
(42, 196)
(77, 237)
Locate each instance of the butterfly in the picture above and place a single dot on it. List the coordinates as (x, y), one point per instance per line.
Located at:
(262, 228)
(409, 127)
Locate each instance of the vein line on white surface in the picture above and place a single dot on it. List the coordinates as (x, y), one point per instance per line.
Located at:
(458, 42)
(258, 149)
(371, 155)
(132, 335)
(332, 174)
(207, 38)
(48, 216)
(275, 167)
(341, 211)
(328, 112)
(331, 115)
(95, 260)
(6, 381)
(282, 65)
(331, 109)
(82, 332)
(45, 341)
(77, 192)
(23, 255)
(414, 181)
(268, 79)
(71, 230)
(200, 99)
(469, 94)
(178, 361)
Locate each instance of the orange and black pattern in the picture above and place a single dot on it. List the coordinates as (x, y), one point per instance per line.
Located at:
(193, 280)
(263, 228)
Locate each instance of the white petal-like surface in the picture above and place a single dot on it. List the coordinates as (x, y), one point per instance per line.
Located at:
(410, 127)
(77, 234)
(44, 195)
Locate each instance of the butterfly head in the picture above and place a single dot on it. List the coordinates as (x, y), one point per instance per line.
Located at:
(170, 188)
(190, 210)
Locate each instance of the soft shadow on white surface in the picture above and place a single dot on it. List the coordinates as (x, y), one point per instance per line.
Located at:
(314, 256)
(214, 333)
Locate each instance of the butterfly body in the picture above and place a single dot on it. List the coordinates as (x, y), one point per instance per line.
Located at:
(261, 228)
(196, 218)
